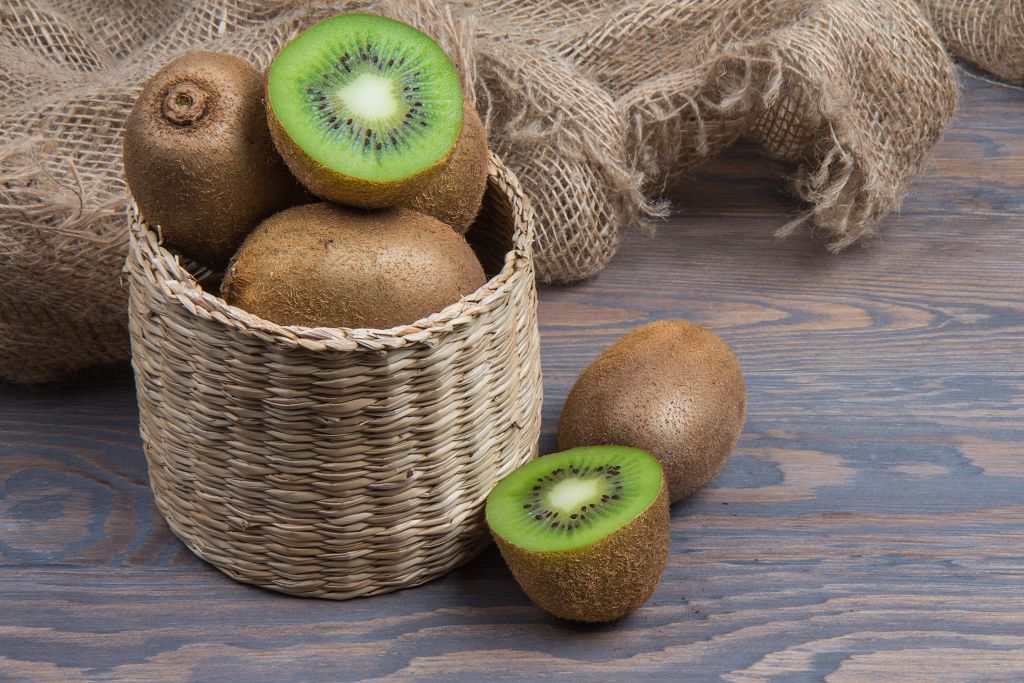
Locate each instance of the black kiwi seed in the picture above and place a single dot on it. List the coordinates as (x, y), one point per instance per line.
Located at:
(611, 474)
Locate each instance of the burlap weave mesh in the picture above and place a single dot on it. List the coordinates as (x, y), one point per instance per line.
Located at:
(594, 104)
(987, 33)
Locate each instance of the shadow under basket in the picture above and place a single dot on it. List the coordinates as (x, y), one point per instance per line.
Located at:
(333, 462)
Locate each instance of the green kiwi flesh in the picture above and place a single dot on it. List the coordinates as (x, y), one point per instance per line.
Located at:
(364, 109)
(585, 532)
(326, 265)
(671, 388)
(198, 157)
(456, 192)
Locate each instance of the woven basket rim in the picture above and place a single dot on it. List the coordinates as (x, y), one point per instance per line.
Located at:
(181, 285)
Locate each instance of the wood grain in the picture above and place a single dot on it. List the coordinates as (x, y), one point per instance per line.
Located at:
(869, 526)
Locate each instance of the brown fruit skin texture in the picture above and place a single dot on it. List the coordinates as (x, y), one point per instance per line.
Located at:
(324, 265)
(210, 178)
(454, 196)
(331, 185)
(671, 388)
(603, 581)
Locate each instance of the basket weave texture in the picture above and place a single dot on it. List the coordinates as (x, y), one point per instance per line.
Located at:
(334, 462)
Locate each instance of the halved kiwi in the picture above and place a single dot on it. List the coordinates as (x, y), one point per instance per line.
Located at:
(364, 109)
(585, 531)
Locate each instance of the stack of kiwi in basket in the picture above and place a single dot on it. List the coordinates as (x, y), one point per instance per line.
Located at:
(335, 192)
(362, 112)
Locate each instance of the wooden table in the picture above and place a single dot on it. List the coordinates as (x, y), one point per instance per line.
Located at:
(869, 525)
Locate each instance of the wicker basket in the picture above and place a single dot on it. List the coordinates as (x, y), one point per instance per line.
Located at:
(336, 462)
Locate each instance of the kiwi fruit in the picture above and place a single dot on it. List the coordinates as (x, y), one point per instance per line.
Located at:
(325, 265)
(198, 157)
(455, 194)
(671, 388)
(365, 110)
(585, 532)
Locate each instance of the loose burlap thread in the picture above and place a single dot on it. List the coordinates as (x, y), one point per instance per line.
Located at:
(597, 105)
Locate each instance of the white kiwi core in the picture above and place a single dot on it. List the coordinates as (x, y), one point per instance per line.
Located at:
(371, 96)
(569, 494)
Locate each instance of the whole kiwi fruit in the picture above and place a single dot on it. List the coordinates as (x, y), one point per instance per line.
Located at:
(198, 156)
(671, 388)
(326, 265)
(365, 110)
(455, 194)
(585, 532)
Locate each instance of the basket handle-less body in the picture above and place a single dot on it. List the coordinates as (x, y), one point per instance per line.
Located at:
(334, 462)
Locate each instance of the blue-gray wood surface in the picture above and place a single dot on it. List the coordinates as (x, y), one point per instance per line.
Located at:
(869, 526)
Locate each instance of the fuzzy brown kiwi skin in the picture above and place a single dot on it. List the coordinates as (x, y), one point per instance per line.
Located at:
(334, 186)
(455, 194)
(325, 265)
(671, 388)
(198, 156)
(600, 582)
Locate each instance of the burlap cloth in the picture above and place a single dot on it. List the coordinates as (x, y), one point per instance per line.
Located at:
(987, 33)
(595, 104)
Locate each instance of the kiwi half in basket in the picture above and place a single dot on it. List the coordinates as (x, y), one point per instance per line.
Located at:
(365, 110)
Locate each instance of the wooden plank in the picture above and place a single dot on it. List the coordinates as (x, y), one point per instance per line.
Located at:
(869, 526)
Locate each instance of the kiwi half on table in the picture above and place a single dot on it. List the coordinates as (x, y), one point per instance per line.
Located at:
(365, 110)
(585, 531)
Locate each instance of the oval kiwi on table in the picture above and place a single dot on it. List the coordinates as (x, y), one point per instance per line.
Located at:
(671, 388)
(365, 110)
(326, 265)
(198, 157)
(585, 532)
